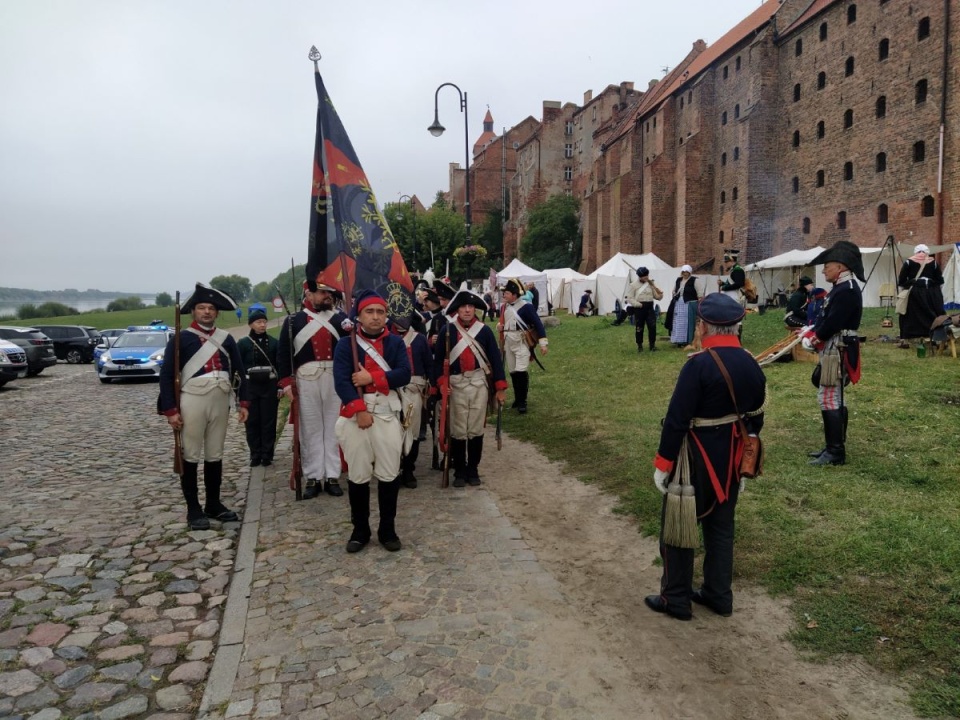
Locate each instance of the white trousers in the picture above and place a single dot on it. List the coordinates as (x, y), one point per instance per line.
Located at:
(469, 398)
(412, 410)
(517, 353)
(319, 409)
(204, 409)
(373, 452)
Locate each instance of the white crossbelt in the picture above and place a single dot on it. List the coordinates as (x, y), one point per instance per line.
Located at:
(317, 322)
(209, 346)
(468, 339)
(373, 354)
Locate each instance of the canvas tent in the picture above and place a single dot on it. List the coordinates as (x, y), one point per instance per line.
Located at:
(951, 279)
(781, 271)
(526, 274)
(560, 288)
(612, 279)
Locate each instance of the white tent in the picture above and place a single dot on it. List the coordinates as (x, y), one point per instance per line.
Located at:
(614, 277)
(560, 288)
(781, 271)
(526, 274)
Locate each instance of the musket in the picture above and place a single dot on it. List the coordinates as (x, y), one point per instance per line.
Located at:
(177, 437)
(445, 412)
(296, 470)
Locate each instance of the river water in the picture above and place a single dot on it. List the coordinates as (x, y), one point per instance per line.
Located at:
(10, 308)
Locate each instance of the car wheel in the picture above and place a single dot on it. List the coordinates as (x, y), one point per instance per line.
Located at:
(105, 381)
(74, 357)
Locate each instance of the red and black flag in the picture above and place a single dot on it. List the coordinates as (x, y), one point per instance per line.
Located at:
(351, 246)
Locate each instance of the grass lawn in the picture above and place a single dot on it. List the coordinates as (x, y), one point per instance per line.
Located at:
(869, 552)
(103, 319)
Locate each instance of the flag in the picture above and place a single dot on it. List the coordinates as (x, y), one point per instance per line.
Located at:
(351, 246)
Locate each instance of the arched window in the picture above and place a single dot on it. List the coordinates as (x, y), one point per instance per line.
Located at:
(882, 106)
(882, 213)
(795, 184)
(842, 220)
(848, 66)
(736, 153)
(806, 226)
(919, 151)
(726, 72)
(721, 237)
(921, 91)
(796, 92)
(821, 130)
(923, 28)
(881, 162)
(926, 206)
(723, 159)
(851, 14)
(823, 31)
(796, 138)
(723, 197)
(820, 178)
(736, 111)
(798, 47)
(821, 80)
(735, 193)
(737, 63)
(883, 49)
(848, 119)
(848, 171)
(723, 118)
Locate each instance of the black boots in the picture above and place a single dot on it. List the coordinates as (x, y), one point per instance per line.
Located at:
(212, 479)
(521, 385)
(458, 459)
(387, 499)
(407, 465)
(359, 494)
(360, 515)
(196, 520)
(312, 489)
(834, 431)
(474, 453)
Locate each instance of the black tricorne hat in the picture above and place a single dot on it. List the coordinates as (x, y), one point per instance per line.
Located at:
(514, 286)
(844, 252)
(465, 297)
(805, 280)
(206, 294)
(443, 290)
(720, 309)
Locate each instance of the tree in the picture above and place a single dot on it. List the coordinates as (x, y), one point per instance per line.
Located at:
(45, 310)
(489, 234)
(236, 286)
(263, 292)
(163, 300)
(126, 303)
(553, 239)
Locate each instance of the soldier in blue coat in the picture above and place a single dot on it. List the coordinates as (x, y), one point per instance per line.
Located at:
(415, 393)
(702, 421)
(520, 327)
(369, 428)
(475, 371)
(210, 367)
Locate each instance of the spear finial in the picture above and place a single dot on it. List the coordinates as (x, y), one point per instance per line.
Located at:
(314, 55)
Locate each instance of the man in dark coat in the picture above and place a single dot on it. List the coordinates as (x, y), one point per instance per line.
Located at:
(797, 304)
(209, 364)
(702, 420)
(258, 351)
(369, 428)
(520, 325)
(414, 394)
(737, 278)
(475, 370)
(836, 337)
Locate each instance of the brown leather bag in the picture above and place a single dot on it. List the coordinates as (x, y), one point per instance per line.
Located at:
(751, 462)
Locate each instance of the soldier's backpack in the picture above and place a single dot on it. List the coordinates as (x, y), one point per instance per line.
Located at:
(749, 291)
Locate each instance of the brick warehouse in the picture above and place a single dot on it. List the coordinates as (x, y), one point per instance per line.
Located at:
(808, 122)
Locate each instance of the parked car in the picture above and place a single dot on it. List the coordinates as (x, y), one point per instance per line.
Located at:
(107, 338)
(13, 362)
(73, 343)
(137, 353)
(37, 346)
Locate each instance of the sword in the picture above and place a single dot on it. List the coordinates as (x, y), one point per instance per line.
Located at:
(499, 426)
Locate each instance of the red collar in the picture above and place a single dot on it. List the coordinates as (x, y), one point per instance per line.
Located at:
(720, 341)
(197, 327)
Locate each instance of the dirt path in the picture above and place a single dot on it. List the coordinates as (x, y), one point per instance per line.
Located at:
(737, 667)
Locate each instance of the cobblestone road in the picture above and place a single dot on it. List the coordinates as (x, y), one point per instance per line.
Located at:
(109, 608)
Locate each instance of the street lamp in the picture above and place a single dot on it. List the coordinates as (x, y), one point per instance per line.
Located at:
(436, 129)
(413, 209)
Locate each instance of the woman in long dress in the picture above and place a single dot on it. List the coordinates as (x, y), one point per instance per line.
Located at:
(683, 307)
(921, 274)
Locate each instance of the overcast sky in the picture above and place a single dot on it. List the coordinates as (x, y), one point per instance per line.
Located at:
(146, 144)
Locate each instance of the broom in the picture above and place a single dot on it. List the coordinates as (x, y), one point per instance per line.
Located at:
(680, 518)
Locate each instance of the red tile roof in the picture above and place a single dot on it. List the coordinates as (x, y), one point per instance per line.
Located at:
(816, 7)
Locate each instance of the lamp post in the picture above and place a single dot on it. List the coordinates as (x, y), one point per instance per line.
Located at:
(413, 209)
(436, 129)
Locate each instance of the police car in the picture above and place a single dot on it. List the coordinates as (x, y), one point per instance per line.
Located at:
(138, 353)
(13, 362)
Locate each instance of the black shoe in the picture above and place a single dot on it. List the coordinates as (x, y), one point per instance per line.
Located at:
(653, 348)
(197, 521)
(266, 462)
(221, 513)
(255, 462)
(700, 599)
(522, 409)
(658, 604)
(357, 543)
(474, 481)
(392, 545)
(829, 457)
(817, 453)
(312, 489)
(332, 487)
(409, 481)
(639, 348)
(458, 481)
(472, 477)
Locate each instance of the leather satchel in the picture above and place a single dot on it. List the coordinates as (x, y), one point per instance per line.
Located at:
(751, 462)
(903, 297)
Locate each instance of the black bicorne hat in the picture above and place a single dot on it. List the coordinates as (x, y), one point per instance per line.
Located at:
(443, 290)
(206, 294)
(844, 252)
(465, 297)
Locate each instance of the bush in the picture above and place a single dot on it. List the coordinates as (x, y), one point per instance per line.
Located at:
(127, 303)
(163, 300)
(46, 310)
